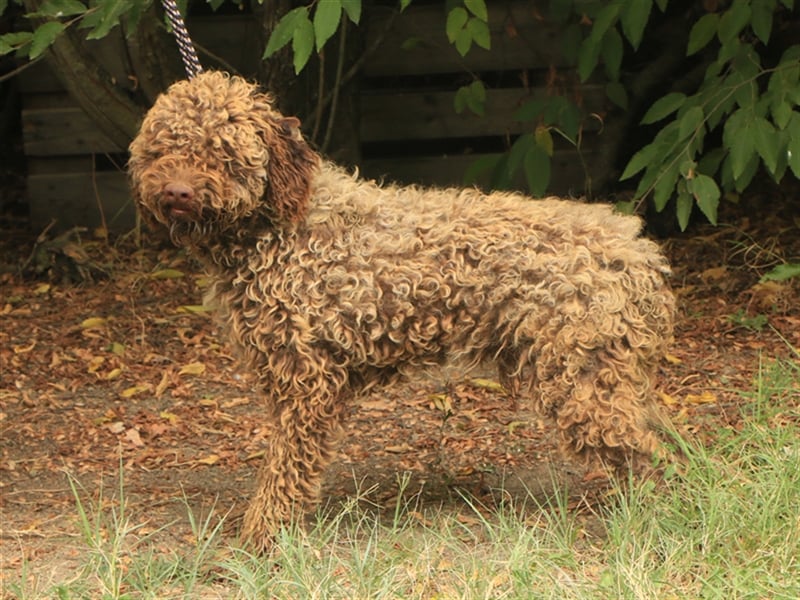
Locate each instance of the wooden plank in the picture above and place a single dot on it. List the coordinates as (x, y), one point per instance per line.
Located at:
(567, 173)
(62, 131)
(428, 115)
(71, 198)
(417, 42)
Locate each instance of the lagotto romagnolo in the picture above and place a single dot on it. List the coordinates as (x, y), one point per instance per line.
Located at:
(330, 285)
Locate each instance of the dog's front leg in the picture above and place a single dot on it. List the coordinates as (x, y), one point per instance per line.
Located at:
(307, 399)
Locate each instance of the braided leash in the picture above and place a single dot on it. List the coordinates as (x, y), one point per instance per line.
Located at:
(188, 53)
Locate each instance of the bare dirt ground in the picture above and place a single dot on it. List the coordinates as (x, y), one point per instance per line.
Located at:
(109, 365)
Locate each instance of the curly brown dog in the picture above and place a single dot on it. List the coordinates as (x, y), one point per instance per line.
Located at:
(330, 285)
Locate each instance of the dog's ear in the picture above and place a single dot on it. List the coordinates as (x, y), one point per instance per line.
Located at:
(290, 167)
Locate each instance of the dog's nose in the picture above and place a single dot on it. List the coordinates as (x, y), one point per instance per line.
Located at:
(178, 199)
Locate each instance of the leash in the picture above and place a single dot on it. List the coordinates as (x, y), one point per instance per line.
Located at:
(188, 53)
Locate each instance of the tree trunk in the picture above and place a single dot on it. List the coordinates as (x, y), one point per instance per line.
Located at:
(115, 102)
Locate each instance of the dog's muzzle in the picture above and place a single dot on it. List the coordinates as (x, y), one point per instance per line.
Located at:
(178, 202)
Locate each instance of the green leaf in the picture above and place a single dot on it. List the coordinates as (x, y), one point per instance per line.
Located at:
(404, 4)
(58, 8)
(11, 42)
(690, 121)
(532, 109)
(302, 44)
(664, 188)
(557, 111)
(793, 148)
(478, 8)
(326, 21)
(463, 42)
(643, 158)
(617, 93)
(605, 18)
(706, 193)
(544, 139)
(625, 207)
(702, 33)
(761, 20)
(518, 151)
(737, 137)
(710, 161)
(44, 36)
(781, 113)
(472, 96)
(536, 165)
(478, 167)
(284, 30)
(664, 107)
(108, 16)
(479, 31)
(734, 20)
(569, 120)
(749, 171)
(683, 209)
(478, 91)
(456, 21)
(765, 138)
(634, 19)
(588, 57)
(353, 10)
(782, 272)
(611, 51)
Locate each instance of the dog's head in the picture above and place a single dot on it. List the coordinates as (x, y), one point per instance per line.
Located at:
(214, 157)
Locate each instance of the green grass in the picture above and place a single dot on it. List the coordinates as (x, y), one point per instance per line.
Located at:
(727, 528)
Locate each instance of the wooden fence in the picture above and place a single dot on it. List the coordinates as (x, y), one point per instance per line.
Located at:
(409, 130)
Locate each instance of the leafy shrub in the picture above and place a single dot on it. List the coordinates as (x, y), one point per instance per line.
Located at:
(747, 98)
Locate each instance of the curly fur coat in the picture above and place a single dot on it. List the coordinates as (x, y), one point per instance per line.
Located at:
(330, 284)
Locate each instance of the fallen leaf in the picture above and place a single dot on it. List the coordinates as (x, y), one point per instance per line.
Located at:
(703, 398)
(95, 363)
(208, 460)
(194, 309)
(672, 359)
(136, 389)
(714, 274)
(166, 274)
(24, 349)
(236, 402)
(164, 383)
(667, 399)
(514, 425)
(378, 404)
(132, 435)
(441, 402)
(172, 418)
(116, 427)
(113, 374)
(488, 384)
(195, 368)
(94, 323)
(398, 448)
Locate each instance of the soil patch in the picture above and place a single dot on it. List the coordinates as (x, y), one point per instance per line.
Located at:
(109, 366)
